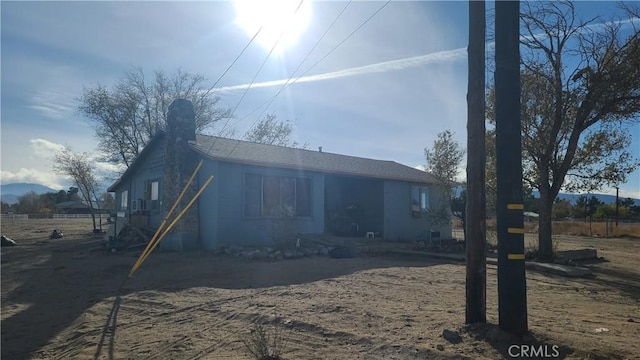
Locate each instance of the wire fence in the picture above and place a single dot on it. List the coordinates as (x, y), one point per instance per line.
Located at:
(47, 216)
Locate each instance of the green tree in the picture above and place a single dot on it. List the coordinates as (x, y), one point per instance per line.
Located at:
(580, 85)
(128, 114)
(561, 209)
(443, 162)
(270, 131)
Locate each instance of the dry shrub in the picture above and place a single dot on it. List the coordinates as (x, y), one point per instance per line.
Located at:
(599, 229)
(267, 341)
(576, 228)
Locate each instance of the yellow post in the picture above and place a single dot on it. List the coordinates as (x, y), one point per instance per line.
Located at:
(166, 218)
(195, 197)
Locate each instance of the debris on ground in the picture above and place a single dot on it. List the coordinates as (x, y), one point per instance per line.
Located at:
(7, 242)
(451, 336)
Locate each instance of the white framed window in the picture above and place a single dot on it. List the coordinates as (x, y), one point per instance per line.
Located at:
(419, 200)
(124, 199)
(155, 190)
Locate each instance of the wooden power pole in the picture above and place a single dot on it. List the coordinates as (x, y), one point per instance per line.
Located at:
(476, 198)
(512, 287)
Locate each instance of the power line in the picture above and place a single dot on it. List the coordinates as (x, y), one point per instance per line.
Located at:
(315, 64)
(269, 102)
(237, 57)
(287, 84)
(258, 72)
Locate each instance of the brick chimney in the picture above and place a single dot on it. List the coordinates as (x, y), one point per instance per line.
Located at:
(179, 163)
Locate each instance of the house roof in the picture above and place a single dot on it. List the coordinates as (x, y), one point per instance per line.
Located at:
(77, 204)
(155, 140)
(246, 152)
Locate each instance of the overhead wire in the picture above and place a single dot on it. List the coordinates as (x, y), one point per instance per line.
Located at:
(269, 102)
(237, 58)
(255, 76)
(314, 65)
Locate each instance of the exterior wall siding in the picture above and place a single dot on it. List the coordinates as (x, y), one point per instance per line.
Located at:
(399, 224)
(232, 227)
(208, 202)
(150, 169)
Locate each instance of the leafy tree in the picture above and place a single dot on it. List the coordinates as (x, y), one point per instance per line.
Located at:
(127, 115)
(109, 201)
(61, 196)
(443, 160)
(608, 211)
(561, 209)
(628, 202)
(270, 131)
(81, 169)
(586, 207)
(580, 85)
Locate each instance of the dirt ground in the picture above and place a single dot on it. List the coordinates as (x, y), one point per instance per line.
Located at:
(60, 301)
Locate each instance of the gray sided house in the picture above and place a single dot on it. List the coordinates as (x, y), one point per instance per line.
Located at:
(256, 186)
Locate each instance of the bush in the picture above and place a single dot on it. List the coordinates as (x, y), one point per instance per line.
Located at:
(266, 342)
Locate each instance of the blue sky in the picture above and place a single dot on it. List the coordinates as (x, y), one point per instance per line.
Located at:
(385, 93)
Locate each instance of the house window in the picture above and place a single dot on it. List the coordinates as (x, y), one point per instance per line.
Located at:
(124, 199)
(277, 196)
(419, 200)
(154, 190)
(151, 195)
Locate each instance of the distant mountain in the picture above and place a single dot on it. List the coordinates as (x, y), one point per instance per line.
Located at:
(11, 192)
(607, 199)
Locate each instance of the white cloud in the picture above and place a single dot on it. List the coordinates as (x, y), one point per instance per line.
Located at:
(45, 148)
(393, 65)
(399, 64)
(47, 178)
(53, 104)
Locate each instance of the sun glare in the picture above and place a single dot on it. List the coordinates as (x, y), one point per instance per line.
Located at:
(278, 18)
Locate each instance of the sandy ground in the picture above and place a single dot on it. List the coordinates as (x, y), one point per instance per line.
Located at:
(60, 301)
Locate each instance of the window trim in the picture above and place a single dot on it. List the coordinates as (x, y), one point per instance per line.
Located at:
(124, 199)
(420, 212)
(262, 194)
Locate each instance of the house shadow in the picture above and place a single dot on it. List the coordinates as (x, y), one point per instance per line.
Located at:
(50, 285)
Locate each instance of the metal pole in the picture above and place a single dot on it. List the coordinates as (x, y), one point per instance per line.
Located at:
(475, 240)
(512, 295)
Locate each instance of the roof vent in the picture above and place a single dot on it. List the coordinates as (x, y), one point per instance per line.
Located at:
(320, 148)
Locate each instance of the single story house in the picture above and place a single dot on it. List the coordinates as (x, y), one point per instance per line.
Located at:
(257, 185)
(79, 207)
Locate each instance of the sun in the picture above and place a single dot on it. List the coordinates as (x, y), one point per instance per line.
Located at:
(278, 18)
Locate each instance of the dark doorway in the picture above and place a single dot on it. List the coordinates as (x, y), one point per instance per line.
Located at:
(353, 206)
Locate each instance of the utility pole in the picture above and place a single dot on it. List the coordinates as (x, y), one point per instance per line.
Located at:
(512, 288)
(476, 304)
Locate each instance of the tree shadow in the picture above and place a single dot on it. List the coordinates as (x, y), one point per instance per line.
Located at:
(50, 285)
(109, 330)
(627, 282)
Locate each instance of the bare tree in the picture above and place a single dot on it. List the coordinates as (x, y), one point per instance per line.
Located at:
(580, 87)
(126, 116)
(270, 131)
(80, 168)
(29, 203)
